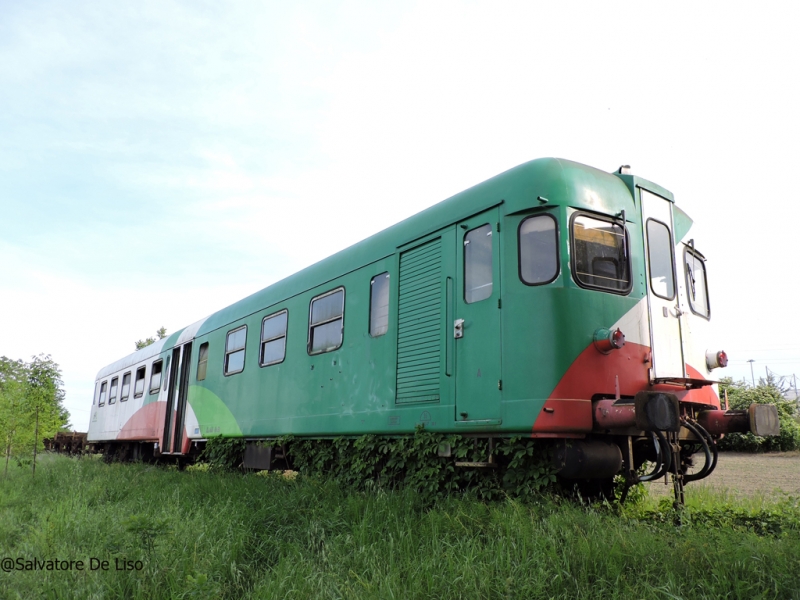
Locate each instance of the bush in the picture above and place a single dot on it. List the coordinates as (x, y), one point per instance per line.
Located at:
(740, 397)
(414, 462)
(224, 454)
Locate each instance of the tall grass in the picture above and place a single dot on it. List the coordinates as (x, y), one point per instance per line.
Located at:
(210, 535)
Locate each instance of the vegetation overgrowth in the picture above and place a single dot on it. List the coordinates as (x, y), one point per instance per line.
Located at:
(425, 462)
(741, 396)
(213, 534)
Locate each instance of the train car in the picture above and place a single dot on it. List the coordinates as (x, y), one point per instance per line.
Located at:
(554, 301)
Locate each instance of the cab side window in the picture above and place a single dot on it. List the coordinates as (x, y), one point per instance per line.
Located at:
(600, 257)
(538, 250)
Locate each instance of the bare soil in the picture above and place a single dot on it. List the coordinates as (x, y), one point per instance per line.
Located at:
(749, 475)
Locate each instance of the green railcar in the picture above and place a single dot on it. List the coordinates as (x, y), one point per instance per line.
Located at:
(554, 301)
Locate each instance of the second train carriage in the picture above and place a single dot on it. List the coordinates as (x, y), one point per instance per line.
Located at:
(554, 300)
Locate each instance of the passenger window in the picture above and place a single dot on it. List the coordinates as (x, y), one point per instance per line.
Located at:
(697, 283)
(155, 377)
(478, 264)
(138, 388)
(273, 338)
(538, 250)
(202, 362)
(600, 254)
(659, 253)
(112, 394)
(103, 389)
(126, 387)
(326, 322)
(234, 350)
(379, 305)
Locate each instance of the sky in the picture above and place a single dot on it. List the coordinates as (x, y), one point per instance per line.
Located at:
(161, 160)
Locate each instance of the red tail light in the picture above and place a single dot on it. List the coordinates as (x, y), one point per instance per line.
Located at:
(618, 339)
(716, 359)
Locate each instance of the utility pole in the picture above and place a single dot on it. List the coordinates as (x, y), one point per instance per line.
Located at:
(752, 377)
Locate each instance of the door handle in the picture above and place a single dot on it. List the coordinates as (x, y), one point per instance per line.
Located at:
(458, 328)
(677, 311)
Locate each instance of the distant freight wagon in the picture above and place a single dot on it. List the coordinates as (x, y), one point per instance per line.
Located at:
(553, 301)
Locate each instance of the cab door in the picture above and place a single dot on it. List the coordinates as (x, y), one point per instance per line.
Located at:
(663, 300)
(476, 328)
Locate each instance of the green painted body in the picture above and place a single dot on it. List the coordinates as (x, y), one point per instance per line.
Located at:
(517, 345)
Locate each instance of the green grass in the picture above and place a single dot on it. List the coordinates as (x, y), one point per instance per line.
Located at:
(212, 535)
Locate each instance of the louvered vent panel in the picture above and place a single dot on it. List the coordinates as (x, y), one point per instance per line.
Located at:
(419, 324)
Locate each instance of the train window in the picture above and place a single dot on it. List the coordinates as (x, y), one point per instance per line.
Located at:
(326, 322)
(273, 338)
(112, 393)
(155, 377)
(600, 254)
(126, 387)
(202, 362)
(659, 254)
(696, 283)
(379, 305)
(103, 388)
(478, 264)
(538, 250)
(138, 387)
(234, 350)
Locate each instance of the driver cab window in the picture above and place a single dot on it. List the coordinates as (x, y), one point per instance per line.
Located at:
(600, 254)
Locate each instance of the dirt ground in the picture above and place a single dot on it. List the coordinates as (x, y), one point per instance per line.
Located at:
(749, 475)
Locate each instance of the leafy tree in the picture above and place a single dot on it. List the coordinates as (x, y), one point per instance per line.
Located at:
(31, 406)
(13, 405)
(768, 391)
(161, 333)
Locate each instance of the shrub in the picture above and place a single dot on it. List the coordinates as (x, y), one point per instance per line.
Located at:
(741, 396)
(224, 454)
(524, 466)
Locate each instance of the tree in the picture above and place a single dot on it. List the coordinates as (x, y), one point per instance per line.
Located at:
(46, 399)
(13, 410)
(161, 333)
(31, 406)
(741, 396)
